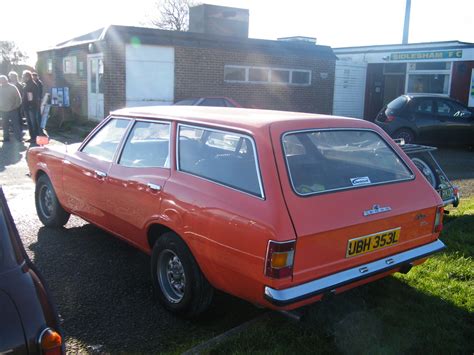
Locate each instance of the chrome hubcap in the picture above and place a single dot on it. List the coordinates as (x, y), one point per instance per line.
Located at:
(171, 276)
(46, 201)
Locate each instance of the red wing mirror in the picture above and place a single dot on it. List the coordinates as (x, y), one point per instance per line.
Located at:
(42, 140)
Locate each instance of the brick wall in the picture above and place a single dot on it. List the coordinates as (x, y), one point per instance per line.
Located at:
(200, 72)
(77, 83)
(114, 76)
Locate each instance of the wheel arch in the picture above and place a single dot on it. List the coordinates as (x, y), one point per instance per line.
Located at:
(157, 230)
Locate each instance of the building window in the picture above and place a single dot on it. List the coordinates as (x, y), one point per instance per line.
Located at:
(259, 75)
(300, 77)
(49, 66)
(429, 78)
(280, 76)
(70, 65)
(234, 73)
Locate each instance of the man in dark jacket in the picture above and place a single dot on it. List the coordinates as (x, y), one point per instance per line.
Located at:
(10, 100)
(31, 104)
(39, 85)
(18, 119)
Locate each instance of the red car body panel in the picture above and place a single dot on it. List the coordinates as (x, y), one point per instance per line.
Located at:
(228, 231)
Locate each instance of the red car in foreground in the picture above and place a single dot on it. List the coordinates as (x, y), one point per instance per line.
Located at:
(277, 208)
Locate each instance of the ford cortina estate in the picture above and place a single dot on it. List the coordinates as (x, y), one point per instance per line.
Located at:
(278, 208)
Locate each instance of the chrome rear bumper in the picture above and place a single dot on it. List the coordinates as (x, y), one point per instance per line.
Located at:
(329, 283)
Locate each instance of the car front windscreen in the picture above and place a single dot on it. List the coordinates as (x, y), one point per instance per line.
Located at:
(327, 160)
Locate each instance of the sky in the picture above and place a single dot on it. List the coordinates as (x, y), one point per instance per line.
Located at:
(337, 23)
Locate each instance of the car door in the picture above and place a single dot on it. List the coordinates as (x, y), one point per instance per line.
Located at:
(456, 124)
(421, 111)
(85, 171)
(135, 181)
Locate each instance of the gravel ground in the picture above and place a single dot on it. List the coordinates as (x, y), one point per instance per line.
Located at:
(102, 286)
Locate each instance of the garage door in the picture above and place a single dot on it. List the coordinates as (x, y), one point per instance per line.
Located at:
(349, 89)
(149, 75)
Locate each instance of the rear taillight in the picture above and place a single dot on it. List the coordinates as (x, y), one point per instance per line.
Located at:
(438, 223)
(279, 261)
(50, 342)
(390, 118)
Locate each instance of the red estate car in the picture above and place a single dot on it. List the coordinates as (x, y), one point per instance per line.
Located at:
(278, 208)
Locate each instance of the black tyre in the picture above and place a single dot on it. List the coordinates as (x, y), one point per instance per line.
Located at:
(406, 134)
(48, 208)
(179, 284)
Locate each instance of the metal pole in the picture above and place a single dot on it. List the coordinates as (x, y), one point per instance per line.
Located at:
(406, 26)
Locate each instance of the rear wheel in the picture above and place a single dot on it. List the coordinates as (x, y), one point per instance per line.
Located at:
(407, 135)
(48, 208)
(179, 284)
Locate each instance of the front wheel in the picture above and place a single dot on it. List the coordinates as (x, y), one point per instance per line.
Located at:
(179, 284)
(48, 208)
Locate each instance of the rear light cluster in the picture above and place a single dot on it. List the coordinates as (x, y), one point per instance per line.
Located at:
(50, 342)
(438, 223)
(279, 260)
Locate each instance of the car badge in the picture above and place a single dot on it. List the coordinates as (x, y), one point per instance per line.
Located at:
(376, 209)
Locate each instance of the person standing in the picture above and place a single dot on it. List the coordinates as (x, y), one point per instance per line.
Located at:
(30, 104)
(18, 120)
(39, 85)
(10, 100)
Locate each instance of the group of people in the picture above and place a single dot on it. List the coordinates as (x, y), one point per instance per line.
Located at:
(18, 100)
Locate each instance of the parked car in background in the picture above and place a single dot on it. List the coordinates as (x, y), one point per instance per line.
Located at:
(278, 208)
(28, 319)
(432, 119)
(209, 101)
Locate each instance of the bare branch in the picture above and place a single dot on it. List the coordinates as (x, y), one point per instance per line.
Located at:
(171, 15)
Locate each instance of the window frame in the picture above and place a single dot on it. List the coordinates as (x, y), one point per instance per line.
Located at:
(98, 129)
(127, 134)
(247, 80)
(412, 176)
(73, 69)
(411, 70)
(223, 131)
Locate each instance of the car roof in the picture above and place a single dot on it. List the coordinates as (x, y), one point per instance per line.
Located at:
(243, 118)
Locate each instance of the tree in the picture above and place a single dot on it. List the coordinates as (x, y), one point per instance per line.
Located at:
(10, 55)
(172, 15)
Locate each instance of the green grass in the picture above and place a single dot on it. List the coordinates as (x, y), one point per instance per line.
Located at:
(429, 310)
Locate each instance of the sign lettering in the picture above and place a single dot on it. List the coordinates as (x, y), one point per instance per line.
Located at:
(456, 54)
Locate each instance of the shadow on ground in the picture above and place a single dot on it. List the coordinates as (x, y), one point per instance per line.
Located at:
(103, 291)
(10, 153)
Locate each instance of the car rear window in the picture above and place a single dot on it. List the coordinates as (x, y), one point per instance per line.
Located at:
(398, 103)
(327, 160)
(224, 157)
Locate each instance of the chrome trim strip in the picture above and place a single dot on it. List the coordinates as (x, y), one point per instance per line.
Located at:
(317, 287)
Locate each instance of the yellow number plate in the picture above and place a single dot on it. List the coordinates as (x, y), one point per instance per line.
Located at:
(368, 243)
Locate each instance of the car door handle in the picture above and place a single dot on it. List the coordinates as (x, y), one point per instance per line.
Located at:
(100, 174)
(153, 187)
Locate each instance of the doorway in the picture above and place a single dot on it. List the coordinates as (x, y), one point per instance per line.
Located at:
(95, 86)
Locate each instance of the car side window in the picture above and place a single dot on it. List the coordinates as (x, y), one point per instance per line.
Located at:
(447, 108)
(105, 142)
(147, 146)
(223, 157)
(423, 106)
(444, 109)
(213, 102)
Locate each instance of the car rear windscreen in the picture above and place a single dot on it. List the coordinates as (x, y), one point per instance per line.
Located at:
(397, 103)
(328, 160)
